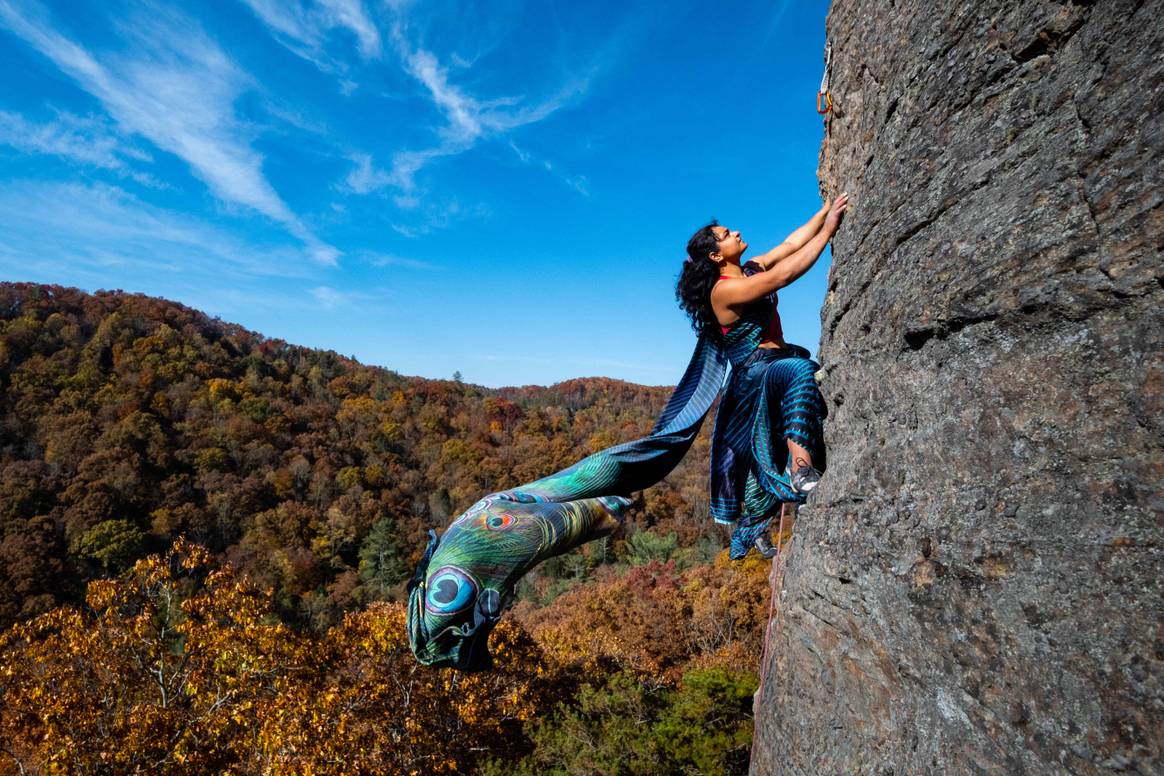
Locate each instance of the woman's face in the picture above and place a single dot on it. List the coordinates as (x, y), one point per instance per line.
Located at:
(729, 245)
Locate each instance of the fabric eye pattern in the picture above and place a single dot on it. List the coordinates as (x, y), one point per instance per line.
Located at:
(499, 522)
(450, 590)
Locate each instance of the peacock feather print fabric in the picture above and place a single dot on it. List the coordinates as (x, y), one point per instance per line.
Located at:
(466, 578)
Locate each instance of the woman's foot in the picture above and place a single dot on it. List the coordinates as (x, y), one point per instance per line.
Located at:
(746, 535)
(805, 479)
(763, 545)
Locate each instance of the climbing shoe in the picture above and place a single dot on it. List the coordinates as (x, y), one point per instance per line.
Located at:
(805, 479)
(747, 531)
(763, 545)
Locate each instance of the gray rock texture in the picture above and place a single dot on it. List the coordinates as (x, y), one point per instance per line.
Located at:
(976, 585)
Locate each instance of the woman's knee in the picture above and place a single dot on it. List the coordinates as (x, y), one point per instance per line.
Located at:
(799, 370)
(800, 389)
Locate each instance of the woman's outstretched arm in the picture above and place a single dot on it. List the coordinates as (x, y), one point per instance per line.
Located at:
(740, 291)
(796, 240)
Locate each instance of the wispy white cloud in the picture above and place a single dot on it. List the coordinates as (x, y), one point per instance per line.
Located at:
(777, 15)
(351, 14)
(88, 141)
(425, 218)
(579, 183)
(330, 298)
(388, 260)
(303, 27)
(100, 236)
(89, 229)
(365, 178)
(469, 118)
(525, 156)
(176, 88)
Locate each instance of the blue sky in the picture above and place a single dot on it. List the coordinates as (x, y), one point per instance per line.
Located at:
(503, 189)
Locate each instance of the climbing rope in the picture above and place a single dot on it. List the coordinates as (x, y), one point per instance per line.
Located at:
(777, 582)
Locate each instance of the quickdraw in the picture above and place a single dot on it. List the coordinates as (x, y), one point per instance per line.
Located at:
(824, 98)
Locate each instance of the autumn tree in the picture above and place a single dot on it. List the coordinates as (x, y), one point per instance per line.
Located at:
(182, 667)
(309, 482)
(121, 407)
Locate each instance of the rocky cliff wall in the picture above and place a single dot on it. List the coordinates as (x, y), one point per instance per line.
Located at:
(976, 585)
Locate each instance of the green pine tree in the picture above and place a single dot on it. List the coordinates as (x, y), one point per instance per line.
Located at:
(381, 567)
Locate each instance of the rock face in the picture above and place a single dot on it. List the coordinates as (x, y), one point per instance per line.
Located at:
(976, 585)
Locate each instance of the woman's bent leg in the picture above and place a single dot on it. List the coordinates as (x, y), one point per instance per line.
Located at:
(802, 407)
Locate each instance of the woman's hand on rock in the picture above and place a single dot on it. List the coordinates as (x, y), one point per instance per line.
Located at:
(836, 209)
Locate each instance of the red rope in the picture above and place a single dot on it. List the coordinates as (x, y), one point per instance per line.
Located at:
(777, 578)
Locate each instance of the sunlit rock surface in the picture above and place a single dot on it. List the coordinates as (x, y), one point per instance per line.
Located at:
(976, 585)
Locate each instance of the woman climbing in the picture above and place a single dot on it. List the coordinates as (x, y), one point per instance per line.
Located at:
(771, 392)
(466, 577)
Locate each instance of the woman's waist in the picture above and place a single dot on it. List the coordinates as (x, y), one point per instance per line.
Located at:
(771, 351)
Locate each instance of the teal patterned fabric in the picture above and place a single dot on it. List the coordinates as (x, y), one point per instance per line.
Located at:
(468, 575)
(771, 396)
(466, 578)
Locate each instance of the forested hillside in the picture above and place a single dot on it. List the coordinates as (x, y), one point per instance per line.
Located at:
(299, 485)
(129, 420)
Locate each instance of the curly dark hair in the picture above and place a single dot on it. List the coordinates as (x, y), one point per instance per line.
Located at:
(699, 274)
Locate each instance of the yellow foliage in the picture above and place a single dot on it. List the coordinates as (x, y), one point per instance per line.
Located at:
(221, 388)
(163, 675)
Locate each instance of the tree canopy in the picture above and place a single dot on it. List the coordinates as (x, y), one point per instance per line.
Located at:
(204, 535)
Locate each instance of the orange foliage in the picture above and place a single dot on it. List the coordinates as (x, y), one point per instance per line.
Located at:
(180, 668)
(148, 416)
(656, 621)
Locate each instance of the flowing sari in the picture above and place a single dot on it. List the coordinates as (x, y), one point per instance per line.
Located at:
(466, 577)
